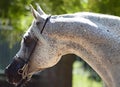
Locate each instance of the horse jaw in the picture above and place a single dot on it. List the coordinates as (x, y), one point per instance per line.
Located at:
(44, 56)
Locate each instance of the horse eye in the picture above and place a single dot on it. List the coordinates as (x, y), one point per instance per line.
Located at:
(27, 40)
(37, 23)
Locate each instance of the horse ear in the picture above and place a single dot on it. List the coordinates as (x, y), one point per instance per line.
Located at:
(40, 11)
(35, 13)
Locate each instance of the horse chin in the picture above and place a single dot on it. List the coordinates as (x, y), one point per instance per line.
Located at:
(20, 81)
(14, 81)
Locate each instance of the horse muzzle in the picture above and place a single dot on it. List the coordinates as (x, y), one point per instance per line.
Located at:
(13, 71)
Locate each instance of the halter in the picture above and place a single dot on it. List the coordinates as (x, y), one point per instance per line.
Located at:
(24, 68)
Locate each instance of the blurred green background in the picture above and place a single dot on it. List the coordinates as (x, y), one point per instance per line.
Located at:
(15, 18)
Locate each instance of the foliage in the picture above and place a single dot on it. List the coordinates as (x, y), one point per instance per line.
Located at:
(80, 76)
(92, 74)
(105, 6)
(12, 15)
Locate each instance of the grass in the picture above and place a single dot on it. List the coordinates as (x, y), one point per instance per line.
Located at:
(80, 77)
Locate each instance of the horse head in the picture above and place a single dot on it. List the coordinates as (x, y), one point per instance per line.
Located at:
(34, 50)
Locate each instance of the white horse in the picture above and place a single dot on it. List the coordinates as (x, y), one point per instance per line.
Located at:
(93, 37)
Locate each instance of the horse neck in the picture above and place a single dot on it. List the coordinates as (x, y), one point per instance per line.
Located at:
(89, 39)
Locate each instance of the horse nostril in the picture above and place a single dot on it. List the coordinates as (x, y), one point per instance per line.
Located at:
(20, 71)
